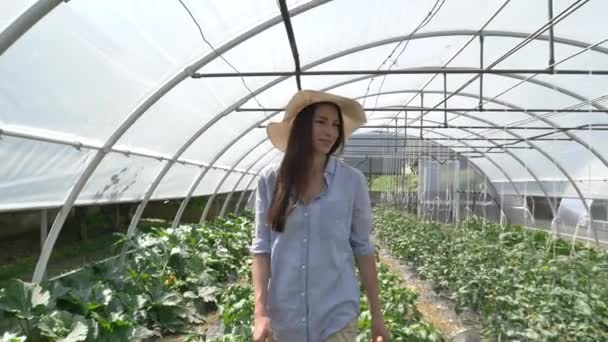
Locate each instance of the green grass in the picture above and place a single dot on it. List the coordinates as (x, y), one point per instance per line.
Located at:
(391, 183)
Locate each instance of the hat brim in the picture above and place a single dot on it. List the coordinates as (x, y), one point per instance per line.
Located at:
(353, 115)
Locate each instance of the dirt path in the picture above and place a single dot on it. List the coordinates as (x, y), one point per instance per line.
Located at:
(435, 308)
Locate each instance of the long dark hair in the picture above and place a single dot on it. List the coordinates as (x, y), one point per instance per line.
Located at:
(293, 175)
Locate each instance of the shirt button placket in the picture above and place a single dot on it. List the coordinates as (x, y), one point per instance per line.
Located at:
(305, 273)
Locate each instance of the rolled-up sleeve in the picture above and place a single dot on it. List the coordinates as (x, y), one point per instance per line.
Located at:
(361, 228)
(261, 237)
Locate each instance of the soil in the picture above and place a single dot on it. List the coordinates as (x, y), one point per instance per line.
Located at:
(436, 308)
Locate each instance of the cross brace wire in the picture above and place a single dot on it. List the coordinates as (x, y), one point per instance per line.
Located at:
(407, 71)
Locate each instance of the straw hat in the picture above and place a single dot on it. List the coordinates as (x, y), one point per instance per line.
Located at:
(352, 114)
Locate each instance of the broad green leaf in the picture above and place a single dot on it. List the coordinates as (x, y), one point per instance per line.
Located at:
(21, 298)
(62, 325)
(208, 293)
(12, 337)
(78, 333)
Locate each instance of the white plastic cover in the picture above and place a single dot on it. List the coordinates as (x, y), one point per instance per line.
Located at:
(84, 69)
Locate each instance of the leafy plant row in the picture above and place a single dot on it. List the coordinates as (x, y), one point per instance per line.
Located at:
(403, 319)
(526, 285)
(170, 281)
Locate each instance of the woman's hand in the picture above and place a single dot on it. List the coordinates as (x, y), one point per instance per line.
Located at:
(379, 331)
(262, 330)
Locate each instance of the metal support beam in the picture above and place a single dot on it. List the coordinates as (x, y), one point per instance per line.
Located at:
(405, 130)
(355, 138)
(226, 175)
(407, 71)
(421, 114)
(134, 116)
(172, 83)
(227, 200)
(481, 49)
(78, 145)
(459, 109)
(545, 120)
(536, 179)
(404, 148)
(445, 102)
(491, 160)
(292, 41)
(551, 38)
(541, 186)
(242, 196)
(518, 160)
(595, 127)
(189, 71)
(331, 57)
(44, 225)
(250, 197)
(434, 153)
(562, 15)
(25, 21)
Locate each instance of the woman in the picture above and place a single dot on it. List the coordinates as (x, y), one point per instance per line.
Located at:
(313, 219)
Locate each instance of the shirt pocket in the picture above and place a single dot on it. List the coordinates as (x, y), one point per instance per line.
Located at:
(335, 223)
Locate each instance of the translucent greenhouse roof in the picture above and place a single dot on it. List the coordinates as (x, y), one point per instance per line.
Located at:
(116, 101)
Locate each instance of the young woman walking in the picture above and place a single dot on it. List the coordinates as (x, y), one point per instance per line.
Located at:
(313, 223)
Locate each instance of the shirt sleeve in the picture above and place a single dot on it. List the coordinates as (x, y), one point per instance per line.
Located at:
(261, 237)
(361, 228)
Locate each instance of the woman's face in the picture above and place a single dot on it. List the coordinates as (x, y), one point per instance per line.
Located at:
(325, 128)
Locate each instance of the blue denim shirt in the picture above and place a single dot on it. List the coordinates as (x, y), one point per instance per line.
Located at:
(313, 290)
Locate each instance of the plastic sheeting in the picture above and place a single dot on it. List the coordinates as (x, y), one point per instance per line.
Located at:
(78, 74)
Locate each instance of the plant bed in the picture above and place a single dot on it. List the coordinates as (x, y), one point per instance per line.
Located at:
(436, 308)
(172, 279)
(525, 285)
(403, 319)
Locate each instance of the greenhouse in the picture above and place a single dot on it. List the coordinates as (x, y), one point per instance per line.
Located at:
(133, 135)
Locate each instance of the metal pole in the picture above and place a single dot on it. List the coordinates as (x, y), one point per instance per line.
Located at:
(238, 204)
(454, 109)
(597, 127)
(250, 196)
(551, 38)
(25, 21)
(202, 174)
(545, 120)
(134, 116)
(78, 145)
(406, 71)
(227, 200)
(445, 100)
(481, 39)
(565, 13)
(226, 175)
(43, 226)
(292, 41)
(421, 115)
(405, 138)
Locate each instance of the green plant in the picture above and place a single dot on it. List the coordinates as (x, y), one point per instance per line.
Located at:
(171, 278)
(401, 316)
(526, 285)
